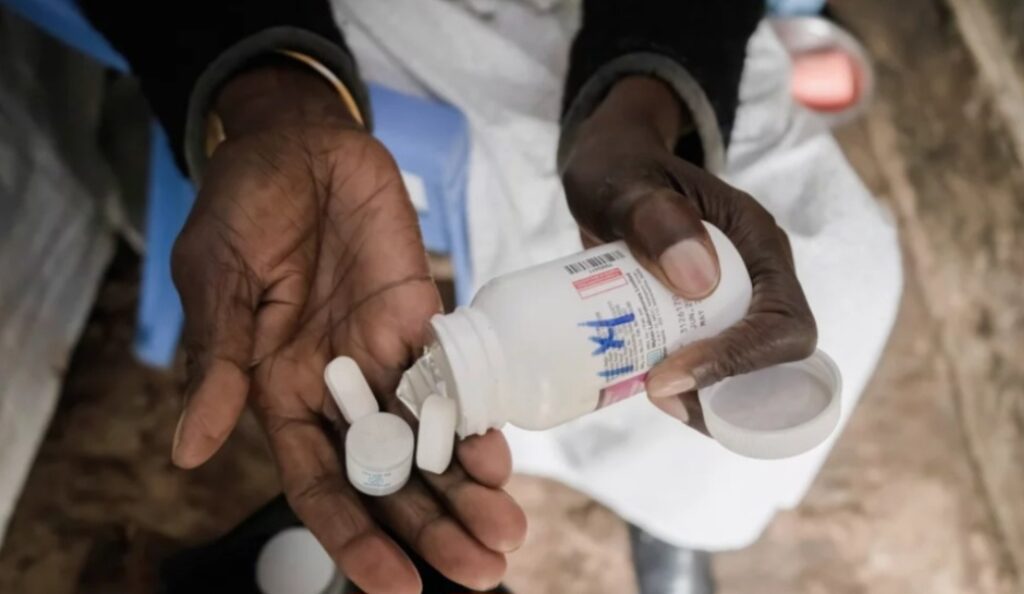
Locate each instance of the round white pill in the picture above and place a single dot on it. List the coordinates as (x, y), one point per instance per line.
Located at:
(349, 389)
(378, 453)
(293, 562)
(436, 434)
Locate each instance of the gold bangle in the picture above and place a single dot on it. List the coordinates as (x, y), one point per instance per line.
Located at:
(343, 92)
(215, 127)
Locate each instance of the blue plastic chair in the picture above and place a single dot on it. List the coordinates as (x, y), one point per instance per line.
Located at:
(795, 7)
(430, 142)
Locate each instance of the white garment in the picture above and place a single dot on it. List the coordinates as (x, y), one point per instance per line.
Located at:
(506, 74)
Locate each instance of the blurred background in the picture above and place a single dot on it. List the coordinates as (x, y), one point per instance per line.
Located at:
(922, 493)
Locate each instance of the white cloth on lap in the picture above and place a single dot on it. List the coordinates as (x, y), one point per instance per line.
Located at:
(505, 73)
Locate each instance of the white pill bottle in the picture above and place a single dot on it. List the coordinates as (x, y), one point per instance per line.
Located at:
(545, 345)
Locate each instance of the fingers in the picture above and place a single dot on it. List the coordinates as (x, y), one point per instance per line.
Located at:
(486, 458)
(490, 514)
(416, 517)
(210, 413)
(218, 337)
(685, 408)
(317, 490)
(762, 339)
(664, 230)
(779, 326)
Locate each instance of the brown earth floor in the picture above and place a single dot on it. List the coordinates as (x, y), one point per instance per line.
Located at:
(898, 507)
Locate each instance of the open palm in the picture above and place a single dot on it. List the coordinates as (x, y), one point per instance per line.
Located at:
(303, 246)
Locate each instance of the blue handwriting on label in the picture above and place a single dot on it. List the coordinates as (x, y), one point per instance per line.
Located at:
(612, 373)
(608, 341)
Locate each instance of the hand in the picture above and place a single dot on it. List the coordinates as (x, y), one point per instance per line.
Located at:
(623, 181)
(302, 246)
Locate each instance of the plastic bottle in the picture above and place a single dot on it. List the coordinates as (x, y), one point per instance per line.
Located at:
(542, 346)
(545, 345)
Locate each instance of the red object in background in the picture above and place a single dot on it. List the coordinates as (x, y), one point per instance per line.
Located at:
(825, 80)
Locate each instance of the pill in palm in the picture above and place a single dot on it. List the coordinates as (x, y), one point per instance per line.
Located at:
(378, 453)
(436, 434)
(349, 389)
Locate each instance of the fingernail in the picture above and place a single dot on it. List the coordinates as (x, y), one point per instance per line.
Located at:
(177, 435)
(673, 407)
(690, 267)
(670, 384)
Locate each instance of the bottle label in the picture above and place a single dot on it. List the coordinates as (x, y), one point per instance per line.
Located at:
(632, 321)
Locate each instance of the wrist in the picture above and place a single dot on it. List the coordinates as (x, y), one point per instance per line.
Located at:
(640, 109)
(278, 93)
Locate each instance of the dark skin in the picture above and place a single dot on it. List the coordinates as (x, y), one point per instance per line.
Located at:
(623, 181)
(303, 246)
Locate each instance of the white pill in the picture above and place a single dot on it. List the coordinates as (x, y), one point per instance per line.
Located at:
(436, 434)
(349, 389)
(378, 453)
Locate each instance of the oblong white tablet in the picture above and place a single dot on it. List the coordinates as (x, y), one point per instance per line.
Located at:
(349, 389)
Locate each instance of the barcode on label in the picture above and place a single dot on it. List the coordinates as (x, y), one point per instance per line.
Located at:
(594, 262)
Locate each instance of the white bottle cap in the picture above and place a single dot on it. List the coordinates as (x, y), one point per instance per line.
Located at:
(776, 412)
(378, 453)
(349, 389)
(293, 562)
(436, 438)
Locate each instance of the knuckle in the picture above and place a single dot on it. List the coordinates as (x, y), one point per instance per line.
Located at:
(762, 341)
(208, 423)
(314, 492)
(752, 211)
(737, 353)
(805, 335)
(317, 503)
(760, 215)
(661, 217)
(795, 336)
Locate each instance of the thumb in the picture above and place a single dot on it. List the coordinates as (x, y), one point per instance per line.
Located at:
(664, 231)
(218, 339)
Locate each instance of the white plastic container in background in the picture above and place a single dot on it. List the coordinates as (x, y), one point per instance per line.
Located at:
(293, 562)
(545, 345)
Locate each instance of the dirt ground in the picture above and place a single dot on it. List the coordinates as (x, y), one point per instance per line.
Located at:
(898, 508)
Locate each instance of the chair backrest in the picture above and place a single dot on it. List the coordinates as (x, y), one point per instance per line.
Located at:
(63, 20)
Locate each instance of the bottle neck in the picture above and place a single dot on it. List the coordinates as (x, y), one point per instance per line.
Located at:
(468, 365)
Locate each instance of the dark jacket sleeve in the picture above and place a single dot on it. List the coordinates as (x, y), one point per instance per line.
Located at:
(184, 50)
(696, 46)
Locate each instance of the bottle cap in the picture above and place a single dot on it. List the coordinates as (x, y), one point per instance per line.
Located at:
(469, 367)
(776, 412)
(436, 437)
(349, 389)
(293, 562)
(378, 453)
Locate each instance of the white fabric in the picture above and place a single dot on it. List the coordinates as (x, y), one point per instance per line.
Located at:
(56, 233)
(505, 73)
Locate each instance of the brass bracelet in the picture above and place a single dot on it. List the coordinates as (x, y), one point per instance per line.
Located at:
(215, 127)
